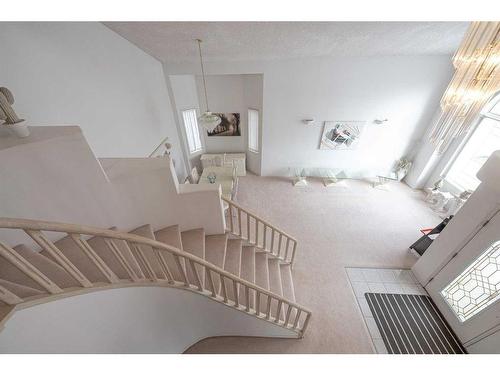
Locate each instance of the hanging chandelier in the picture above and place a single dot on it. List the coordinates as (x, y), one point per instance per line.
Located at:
(207, 119)
(476, 79)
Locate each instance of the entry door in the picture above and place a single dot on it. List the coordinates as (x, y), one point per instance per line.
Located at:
(467, 289)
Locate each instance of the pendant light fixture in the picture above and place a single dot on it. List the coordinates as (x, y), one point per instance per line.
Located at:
(207, 119)
(476, 80)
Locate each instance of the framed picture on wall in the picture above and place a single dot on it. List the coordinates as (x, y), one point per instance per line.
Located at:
(341, 135)
(229, 126)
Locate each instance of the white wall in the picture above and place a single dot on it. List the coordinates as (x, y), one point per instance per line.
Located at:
(184, 96)
(53, 175)
(225, 95)
(253, 97)
(129, 320)
(85, 74)
(404, 89)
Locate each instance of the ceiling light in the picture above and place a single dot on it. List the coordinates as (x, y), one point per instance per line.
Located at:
(476, 79)
(207, 119)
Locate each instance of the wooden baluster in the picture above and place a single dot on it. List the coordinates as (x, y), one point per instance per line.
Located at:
(28, 269)
(8, 297)
(293, 252)
(164, 265)
(121, 259)
(142, 260)
(94, 258)
(306, 323)
(247, 295)
(248, 227)
(264, 243)
(240, 229)
(182, 271)
(279, 244)
(223, 288)
(297, 317)
(272, 240)
(211, 282)
(235, 292)
(268, 312)
(64, 262)
(256, 232)
(287, 316)
(278, 311)
(230, 212)
(257, 304)
(132, 251)
(196, 275)
(286, 248)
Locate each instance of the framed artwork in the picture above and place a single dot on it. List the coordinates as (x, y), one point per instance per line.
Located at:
(341, 135)
(229, 126)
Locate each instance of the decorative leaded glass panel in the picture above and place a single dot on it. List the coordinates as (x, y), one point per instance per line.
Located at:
(477, 287)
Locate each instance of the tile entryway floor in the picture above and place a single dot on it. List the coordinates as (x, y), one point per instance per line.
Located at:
(380, 280)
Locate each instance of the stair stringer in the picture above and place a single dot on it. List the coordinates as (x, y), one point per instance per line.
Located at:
(135, 319)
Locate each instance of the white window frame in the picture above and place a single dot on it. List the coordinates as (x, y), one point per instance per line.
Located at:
(252, 127)
(193, 138)
(485, 113)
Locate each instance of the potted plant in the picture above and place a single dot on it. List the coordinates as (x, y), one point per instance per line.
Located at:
(16, 125)
(403, 165)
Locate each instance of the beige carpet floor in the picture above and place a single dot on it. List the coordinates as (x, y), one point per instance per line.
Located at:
(357, 226)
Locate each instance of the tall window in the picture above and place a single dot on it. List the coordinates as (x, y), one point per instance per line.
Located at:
(253, 130)
(192, 132)
(483, 141)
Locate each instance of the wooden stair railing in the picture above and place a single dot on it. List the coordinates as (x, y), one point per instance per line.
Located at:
(268, 306)
(259, 233)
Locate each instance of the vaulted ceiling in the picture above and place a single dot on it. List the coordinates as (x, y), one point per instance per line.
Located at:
(237, 41)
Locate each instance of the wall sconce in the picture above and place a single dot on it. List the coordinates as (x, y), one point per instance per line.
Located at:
(308, 121)
(379, 121)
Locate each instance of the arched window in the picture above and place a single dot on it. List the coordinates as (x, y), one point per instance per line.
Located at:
(477, 148)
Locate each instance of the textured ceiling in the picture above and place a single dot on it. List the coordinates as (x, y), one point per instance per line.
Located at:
(236, 41)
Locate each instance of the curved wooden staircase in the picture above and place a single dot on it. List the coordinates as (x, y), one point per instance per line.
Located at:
(73, 259)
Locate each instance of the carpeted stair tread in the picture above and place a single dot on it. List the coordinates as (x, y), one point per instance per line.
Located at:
(171, 236)
(275, 276)
(22, 291)
(147, 232)
(232, 264)
(248, 271)
(275, 285)
(193, 242)
(75, 255)
(262, 276)
(127, 254)
(101, 249)
(12, 274)
(248, 264)
(215, 249)
(48, 267)
(261, 270)
(215, 253)
(287, 282)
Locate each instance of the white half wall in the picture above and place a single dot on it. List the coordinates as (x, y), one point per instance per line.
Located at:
(128, 320)
(83, 73)
(53, 175)
(404, 89)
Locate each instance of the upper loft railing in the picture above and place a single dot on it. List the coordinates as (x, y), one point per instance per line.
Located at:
(223, 286)
(260, 233)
